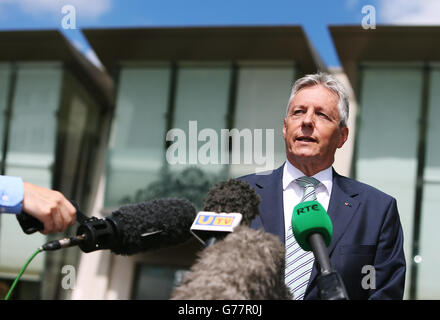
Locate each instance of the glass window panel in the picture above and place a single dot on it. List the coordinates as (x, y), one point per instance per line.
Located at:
(200, 115)
(387, 138)
(31, 148)
(202, 99)
(427, 287)
(156, 282)
(30, 155)
(432, 165)
(263, 93)
(136, 151)
(4, 91)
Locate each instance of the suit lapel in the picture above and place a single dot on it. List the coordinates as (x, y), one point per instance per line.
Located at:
(270, 189)
(341, 209)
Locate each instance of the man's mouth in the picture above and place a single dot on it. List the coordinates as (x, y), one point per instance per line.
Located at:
(306, 139)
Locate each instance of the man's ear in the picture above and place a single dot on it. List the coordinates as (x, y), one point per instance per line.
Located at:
(284, 128)
(343, 137)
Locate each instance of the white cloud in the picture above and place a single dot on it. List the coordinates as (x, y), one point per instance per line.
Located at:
(85, 9)
(410, 12)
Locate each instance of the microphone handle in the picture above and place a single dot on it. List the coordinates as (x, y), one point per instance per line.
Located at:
(30, 224)
(331, 287)
(329, 282)
(320, 252)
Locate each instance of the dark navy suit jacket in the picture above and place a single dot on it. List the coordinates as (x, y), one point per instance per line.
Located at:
(366, 231)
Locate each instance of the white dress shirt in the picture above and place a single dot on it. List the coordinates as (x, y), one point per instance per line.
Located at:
(292, 192)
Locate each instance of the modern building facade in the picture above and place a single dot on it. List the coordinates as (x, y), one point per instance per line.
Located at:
(395, 74)
(177, 110)
(185, 87)
(53, 109)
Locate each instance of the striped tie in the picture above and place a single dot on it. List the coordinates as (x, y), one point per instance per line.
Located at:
(299, 263)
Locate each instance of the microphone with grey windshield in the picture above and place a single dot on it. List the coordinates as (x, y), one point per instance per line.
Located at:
(134, 228)
(247, 264)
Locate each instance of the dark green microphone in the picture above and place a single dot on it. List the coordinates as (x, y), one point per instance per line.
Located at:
(313, 230)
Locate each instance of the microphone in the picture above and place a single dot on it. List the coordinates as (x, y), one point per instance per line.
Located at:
(134, 228)
(228, 204)
(313, 229)
(247, 264)
(233, 196)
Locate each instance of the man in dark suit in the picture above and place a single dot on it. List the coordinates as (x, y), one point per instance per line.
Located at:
(367, 243)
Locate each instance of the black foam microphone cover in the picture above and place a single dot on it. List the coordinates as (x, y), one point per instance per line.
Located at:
(139, 227)
(233, 196)
(153, 225)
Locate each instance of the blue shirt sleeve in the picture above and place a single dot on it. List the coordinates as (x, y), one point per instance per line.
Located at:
(11, 194)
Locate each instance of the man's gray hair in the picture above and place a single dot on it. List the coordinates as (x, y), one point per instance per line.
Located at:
(329, 82)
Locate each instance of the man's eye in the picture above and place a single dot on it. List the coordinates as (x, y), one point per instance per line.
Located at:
(322, 115)
(297, 111)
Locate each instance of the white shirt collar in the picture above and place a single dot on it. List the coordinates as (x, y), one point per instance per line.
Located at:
(290, 173)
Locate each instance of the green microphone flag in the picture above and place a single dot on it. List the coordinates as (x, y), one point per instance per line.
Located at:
(310, 217)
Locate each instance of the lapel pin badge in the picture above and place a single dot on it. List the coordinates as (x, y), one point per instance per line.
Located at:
(347, 204)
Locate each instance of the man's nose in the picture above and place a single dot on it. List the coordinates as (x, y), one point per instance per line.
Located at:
(308, 119)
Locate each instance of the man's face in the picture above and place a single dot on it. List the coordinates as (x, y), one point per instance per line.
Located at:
(311, 129)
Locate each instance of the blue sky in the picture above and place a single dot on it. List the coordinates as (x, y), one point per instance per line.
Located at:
(313, 15)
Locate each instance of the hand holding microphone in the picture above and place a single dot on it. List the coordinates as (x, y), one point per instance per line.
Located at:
(133, 228)
(45, 210)
(129, 230)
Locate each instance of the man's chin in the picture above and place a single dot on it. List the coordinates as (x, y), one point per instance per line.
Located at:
(303, 158)
(305, 154)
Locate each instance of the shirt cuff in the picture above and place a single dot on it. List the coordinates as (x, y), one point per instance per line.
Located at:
(11, 194)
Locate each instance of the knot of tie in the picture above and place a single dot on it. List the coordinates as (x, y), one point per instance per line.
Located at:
(309, 184)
